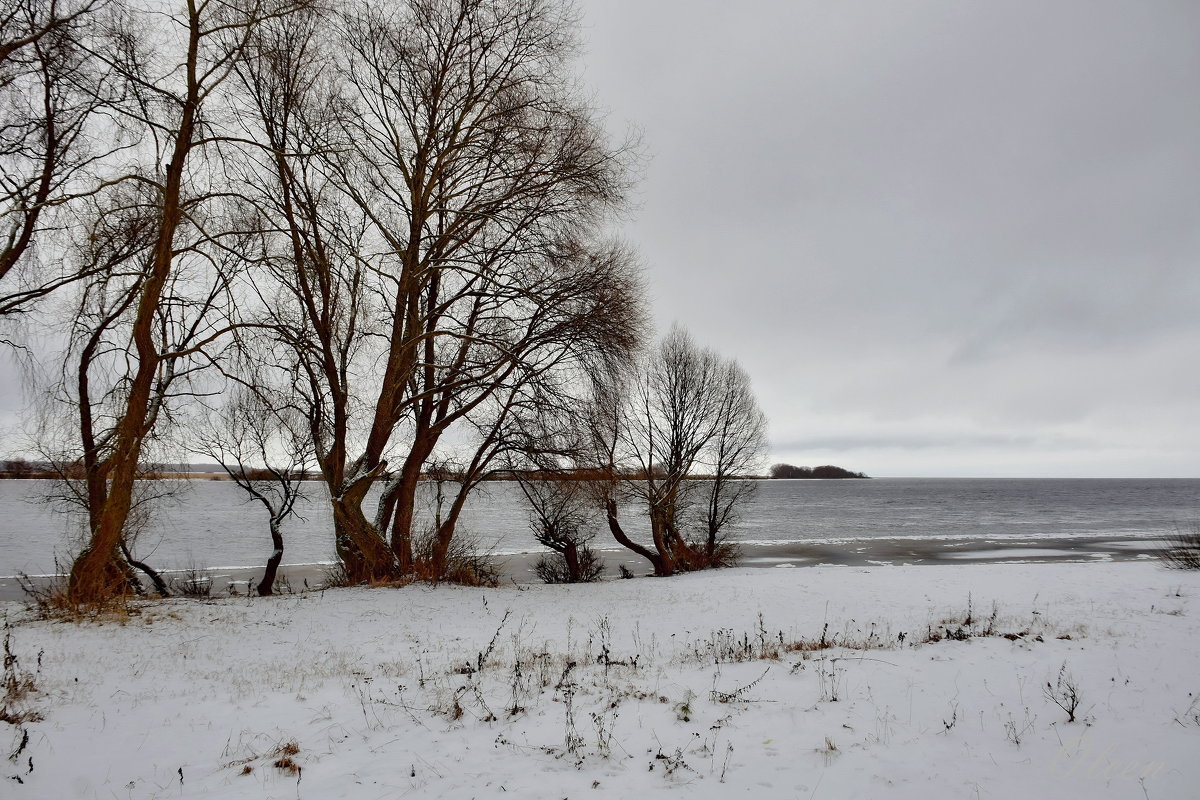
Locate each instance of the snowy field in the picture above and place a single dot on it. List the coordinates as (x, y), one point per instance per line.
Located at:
(824, 682)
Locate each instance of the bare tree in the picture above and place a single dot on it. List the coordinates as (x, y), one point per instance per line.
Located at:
(324, 314)
(432, 230)
(676, 443)
(25, 23)
(162, 320)
(261, 441)
(53, 99)
(562, 518)
(496, 174)
(734, 453)
(573, 323)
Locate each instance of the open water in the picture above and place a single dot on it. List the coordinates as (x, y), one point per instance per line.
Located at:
(790, 522)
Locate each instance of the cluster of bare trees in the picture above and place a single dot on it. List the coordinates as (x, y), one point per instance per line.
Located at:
(365, 240)
(680, 441)
(672, 441)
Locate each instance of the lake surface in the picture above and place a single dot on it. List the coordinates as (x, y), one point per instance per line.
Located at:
(789, 522)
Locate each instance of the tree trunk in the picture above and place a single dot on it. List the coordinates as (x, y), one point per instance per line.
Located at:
(659, 536)
(661, 567)
(100, 574)
(445, 535)
(364, 554)
(681, 552)
(571, 555)
(393, 528)
(266, 586)
(710, 544)
(160, 585)
(402, 499)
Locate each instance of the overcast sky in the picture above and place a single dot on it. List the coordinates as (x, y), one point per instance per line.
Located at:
(945, 238)
(952, 238)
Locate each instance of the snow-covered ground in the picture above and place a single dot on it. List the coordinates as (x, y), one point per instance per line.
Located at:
(792, 683)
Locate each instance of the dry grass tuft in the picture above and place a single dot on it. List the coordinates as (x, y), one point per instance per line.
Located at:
(287, 765)
(283, 757)
(19, 685)
(292, 748)
(50, 601)
(1182, 549)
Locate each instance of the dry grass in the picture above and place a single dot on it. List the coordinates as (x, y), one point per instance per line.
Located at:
(19, 687)
(283, 757)
(280, 757)
(50, 601)
(1182, 549)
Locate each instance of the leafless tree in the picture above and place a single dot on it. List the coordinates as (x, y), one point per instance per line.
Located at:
(54, 434)
(734, 453)
(158, 321)
(572, 323)
(55, 138)
(24, 23)
(262, 442)
(677, 442)
(433, 230)
(562, 517)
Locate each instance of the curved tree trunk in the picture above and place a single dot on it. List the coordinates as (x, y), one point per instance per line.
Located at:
(266, 586)
(160, 585)
(100, 574)
(364, 554)
(439, 559)
(662, 568)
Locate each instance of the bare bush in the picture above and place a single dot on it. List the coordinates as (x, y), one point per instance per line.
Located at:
(461, 562)
(1064, 693)
(247, 431)
(562, 517)
(680, 441)
(555, 568)
(194, 582)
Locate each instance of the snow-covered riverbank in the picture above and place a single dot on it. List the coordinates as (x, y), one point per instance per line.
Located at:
(813, 682)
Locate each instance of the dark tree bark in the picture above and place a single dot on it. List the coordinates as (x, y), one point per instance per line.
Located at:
(212, 40)
(455, 138)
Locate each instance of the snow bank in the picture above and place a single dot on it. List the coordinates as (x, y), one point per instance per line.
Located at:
(898, 682)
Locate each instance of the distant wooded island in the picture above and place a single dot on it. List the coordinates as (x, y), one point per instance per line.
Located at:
(825, 472)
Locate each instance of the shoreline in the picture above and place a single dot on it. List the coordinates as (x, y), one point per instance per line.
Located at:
(518, 568)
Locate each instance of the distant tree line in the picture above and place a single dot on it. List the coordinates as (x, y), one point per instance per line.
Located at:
(23, 468)
(824, 473)
(366, 240)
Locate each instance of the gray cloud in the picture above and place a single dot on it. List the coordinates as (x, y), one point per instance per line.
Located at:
(983, 216)
(852, 443)
(945, 238)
